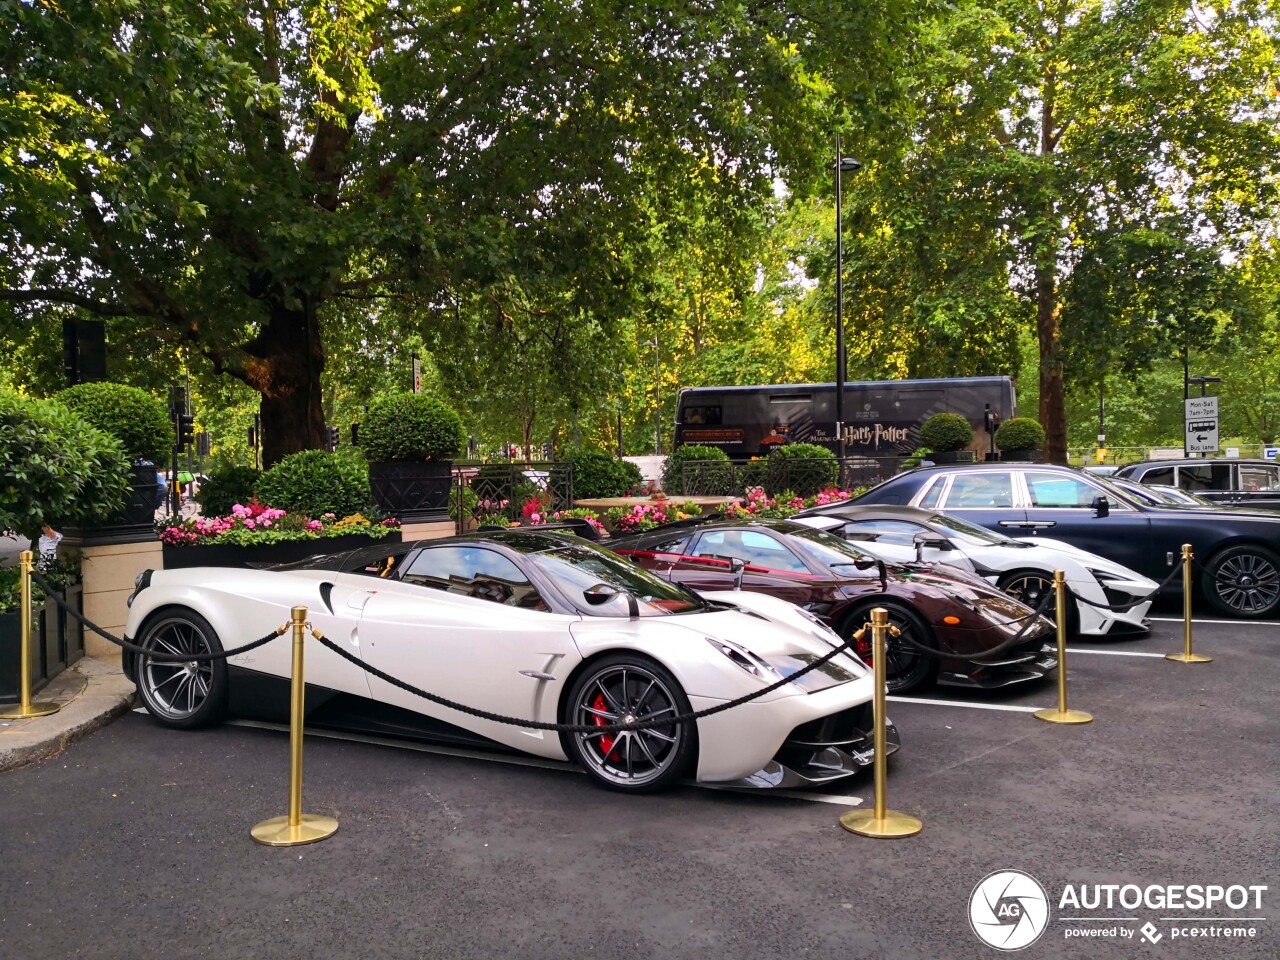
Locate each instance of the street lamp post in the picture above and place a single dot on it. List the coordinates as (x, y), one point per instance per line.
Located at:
(657, 398)
(843, 165)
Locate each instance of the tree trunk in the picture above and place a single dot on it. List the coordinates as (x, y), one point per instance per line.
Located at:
(288, 360)
(1053, 408)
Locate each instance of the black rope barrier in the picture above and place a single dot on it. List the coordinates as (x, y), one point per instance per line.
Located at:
(1030, 620)
(156, 655)
(647, 722)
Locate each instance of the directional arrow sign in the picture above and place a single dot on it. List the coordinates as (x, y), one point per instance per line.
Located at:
(1202, 436)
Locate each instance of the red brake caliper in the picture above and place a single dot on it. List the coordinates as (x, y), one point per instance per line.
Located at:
(863, 647)
(606, 742)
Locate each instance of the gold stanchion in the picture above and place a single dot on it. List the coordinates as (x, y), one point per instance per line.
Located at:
(880, 821)
(1062, 714)
(297, 827)
(1186, 656)
(25, 707)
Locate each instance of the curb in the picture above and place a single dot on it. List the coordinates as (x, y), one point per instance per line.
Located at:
(92, 694)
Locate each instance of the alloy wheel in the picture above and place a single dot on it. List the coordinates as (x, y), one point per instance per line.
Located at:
(176, 691)
(628, 758)
(1247, 583)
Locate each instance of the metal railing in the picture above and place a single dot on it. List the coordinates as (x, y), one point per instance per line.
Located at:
(803, 477)
(503, 487)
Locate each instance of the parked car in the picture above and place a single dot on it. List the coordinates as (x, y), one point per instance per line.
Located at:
(530, 624)
(1236, 483)
(1237, 552)
(1021, 568)
(839, 584)
(1161, 495)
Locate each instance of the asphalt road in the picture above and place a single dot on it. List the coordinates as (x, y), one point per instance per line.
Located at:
(135, 843)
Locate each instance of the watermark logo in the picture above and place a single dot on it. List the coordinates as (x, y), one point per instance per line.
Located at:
(1008, 910)
(1151, 933)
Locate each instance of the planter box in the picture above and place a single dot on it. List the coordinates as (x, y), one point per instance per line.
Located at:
(951, 456)
(267, 554)
(57, 641)
(1034, 456)
(413, 492)
(135, 523)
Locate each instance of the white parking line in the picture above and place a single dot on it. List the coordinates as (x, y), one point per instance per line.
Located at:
(1117, 653)
(1225, 623)
(521, 761)
(1008, 707)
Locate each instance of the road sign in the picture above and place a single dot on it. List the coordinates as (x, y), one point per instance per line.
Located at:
(1201, 408)
(1270, 453)
(1202, 436)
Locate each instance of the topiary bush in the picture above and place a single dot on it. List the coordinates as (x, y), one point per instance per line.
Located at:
(411, 426)
(55, 467)
(134, 417)
(804, 468)
(597, 474)
(1020, 433)
(946, 432)
(714, 480)
(315, 483)
(225, 488)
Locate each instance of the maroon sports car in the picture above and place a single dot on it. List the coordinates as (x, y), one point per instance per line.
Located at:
(941, 607)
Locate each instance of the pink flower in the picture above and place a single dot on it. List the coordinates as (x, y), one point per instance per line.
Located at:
(250, 523)
(314, 525)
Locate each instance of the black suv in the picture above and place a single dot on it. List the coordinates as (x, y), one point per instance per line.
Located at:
(1231, 482)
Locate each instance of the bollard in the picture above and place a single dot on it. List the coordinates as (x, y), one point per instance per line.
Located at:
(1186, 656)
(25, 707)
(297, 827)
(880, 821)
(1062, 714)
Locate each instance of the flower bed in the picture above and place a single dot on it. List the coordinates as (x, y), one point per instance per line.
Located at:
(759, 504)
(254, 535)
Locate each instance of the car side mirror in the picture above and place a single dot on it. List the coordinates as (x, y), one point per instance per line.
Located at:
(602, 593)
(931, 541)
(1101, 506)
(736, 566)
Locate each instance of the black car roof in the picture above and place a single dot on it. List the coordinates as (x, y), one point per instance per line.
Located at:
(1182, 461)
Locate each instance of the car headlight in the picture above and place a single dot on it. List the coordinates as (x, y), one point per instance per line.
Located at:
(140, 583)
(753, 664)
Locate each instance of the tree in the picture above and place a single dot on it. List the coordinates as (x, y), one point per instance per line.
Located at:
(1100, 163)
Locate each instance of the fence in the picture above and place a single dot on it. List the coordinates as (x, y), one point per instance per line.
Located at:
(501, 488)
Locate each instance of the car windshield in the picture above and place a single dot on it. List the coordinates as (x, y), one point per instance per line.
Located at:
(575, 569)
(833, 551)
(972, 534)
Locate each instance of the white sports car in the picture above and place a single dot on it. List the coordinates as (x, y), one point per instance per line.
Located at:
(527, 624)
(1022, 568)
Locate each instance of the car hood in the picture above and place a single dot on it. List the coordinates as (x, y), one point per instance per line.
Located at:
(1089, 560)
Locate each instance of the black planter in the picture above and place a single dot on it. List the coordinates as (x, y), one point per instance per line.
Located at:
(10, 659)
(412, 492)
(1034, 456)
(135, 521)
(267, 554)
(952, 456)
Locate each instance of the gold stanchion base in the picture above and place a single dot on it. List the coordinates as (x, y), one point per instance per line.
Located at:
(1054, 715)
(1188, 658)
(893, 824)
(41, 708)
(276, 832)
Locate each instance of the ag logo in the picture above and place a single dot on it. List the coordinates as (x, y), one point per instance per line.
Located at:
(1008, 910)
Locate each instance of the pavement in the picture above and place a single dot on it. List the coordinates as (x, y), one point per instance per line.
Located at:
(91, 693)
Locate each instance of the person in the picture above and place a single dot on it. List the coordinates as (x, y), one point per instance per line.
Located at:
(48, 545)
(162, 488)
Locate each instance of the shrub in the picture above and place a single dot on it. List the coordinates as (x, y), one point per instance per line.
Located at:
(315, 483)
(946, 432)
(55, 467)
(411, 426)
(717, 479)
(915, 458)
(1020, 433)
(225, 488)
(598, 474)
(804, 468)
(134, 417)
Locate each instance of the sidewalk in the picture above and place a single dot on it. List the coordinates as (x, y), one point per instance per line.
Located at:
(92, 693)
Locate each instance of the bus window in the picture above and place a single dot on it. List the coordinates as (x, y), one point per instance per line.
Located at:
(702, 415)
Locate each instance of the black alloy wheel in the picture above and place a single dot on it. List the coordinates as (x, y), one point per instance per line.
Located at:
(1243, 582)
(1030, 587)
(623, 686)
(906, 667)
(181, 695)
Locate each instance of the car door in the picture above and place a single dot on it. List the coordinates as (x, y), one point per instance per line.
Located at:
(771, 566)
(1259, 485)
(1060, 505)
(1211, 479)
(466, 623)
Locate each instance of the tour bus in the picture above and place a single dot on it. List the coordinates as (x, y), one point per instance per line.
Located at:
(882, 418)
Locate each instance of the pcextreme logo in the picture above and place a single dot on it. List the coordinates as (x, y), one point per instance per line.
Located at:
(1008, 910)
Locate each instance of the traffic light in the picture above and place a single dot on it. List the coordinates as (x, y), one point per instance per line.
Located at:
(203, 443)
(186, 425)
(331, 439)
(355, 434)
(991, 420)
(177, 400)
